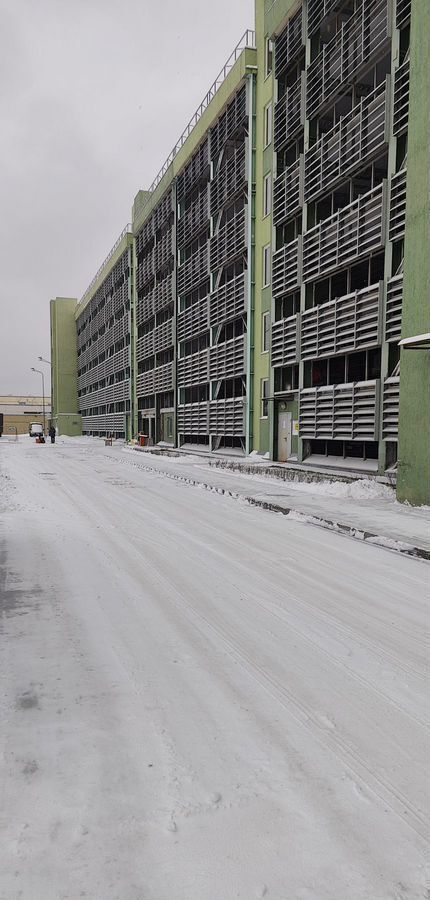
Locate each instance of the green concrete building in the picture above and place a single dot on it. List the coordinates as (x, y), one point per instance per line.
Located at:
(270, 294)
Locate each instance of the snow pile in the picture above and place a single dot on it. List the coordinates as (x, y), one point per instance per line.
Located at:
(363, 489)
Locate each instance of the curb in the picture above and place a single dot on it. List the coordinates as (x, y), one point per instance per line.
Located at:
(340, 528)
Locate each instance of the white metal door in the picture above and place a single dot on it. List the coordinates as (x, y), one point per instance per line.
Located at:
(284, 436)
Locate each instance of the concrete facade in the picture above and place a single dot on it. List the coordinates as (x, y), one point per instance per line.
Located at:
(414, 425)
(64, 372)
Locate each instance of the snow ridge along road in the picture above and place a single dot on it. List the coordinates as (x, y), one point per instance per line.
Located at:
(201, 700)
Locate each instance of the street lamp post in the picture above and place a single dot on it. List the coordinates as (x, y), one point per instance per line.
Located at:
(39, 371)
(48, 363)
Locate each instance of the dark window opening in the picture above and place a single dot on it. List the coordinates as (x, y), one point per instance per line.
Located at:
(336, 370)
(357, 366)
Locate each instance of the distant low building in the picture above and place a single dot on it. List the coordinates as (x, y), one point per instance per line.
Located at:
(19, 412)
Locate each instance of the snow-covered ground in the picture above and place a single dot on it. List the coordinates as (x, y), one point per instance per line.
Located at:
(364, 505)
(201, 700)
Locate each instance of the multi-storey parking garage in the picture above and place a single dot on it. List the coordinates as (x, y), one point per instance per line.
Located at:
(155, 299)
(193, 243)
(260, 298)
(340, 143)
(103, 346)
(214, 195)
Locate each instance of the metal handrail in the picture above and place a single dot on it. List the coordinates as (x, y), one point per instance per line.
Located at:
(247, 40)
(126, 230)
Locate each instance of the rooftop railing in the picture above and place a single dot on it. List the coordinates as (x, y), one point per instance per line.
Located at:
(247, 40)
(126, 230)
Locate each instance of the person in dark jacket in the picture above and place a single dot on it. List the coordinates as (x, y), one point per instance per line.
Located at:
(51, 433)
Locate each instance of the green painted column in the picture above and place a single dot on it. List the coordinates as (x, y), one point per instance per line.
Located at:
(414, 417)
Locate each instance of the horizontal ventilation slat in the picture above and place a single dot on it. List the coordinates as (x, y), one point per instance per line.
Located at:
(286, 265)
(398, 206)
(227, 417)
(285, 341)
(228, 301)
(288, 44)
(288, 116)
(345, 324)
(393, 313)
(340, 412)
(227, 360)
(365, 36)
(357, 137)
(401, 99)
(352, 232)
(390, 409)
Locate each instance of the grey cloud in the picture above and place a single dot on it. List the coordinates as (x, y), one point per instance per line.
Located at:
(94, 93)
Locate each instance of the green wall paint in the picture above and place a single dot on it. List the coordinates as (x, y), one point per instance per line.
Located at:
(64, 368)
(269, 17)
(414, 420)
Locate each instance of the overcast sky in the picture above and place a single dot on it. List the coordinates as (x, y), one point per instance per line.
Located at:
(93, 96)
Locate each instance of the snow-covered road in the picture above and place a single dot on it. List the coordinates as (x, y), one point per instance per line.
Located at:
(201, 700)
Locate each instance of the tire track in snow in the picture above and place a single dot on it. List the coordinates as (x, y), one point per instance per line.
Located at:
(303, 714)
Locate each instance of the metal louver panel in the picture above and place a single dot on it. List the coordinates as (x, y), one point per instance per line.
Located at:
(196, 170)
(194, 219)
(285, 341)
(398, 205)
(401, 99)
(145, 384)
(356, 138)
(229, 179)
(393, 313)
(227, 360)
(318, 10)
(228, 301)
(363, 37)
(193, 369)
(193, 271)
(226, 417)
(403, 13)
(390, 409)
(163, 293)
(145, 308)
(352, 232)
(345, 324)
(286, 193)
(288, 116)
(193, 418)
(340, 412)
(289, 44)
(229, 241)
(105, 423)
(286, 267)
(193, 321)
(145, 346)
(163, 378)
(229, 123)
(163, 336)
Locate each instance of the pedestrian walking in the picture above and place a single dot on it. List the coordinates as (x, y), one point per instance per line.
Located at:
(51, 433)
